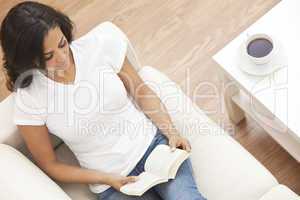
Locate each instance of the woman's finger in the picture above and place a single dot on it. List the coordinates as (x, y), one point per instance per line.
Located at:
(130, 179)
(185, 145)
(172, 145)
(188, 146)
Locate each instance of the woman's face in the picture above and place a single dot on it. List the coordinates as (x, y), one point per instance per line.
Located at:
(56, 50)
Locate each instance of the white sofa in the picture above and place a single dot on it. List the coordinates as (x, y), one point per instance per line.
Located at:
(224, 170)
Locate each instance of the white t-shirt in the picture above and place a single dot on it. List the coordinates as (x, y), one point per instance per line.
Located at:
(94, 116)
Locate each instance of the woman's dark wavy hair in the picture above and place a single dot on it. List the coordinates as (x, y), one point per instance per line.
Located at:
(22, 34)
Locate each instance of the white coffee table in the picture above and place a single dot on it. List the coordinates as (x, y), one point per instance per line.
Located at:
(273, 100)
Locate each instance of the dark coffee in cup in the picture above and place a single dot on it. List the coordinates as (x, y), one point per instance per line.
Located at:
(259, 47)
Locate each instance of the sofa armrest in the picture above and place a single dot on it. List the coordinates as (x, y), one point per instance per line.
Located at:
(219, 162)
(22, 180)
(280, 192)
(9, 133)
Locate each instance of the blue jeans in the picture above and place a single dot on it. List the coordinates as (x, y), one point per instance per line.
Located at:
(183, 187)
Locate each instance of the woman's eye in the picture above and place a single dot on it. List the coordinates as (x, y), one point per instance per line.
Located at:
(63, 44)
(48, 57)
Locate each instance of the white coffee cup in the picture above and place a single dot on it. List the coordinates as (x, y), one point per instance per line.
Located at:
(261, 52)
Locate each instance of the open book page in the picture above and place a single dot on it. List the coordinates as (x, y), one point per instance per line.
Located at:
(145, 182)
(160, 165)
(162, 161)
(177, 164)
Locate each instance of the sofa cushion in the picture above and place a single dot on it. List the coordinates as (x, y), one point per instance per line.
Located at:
(22, 180)
(280, 192)
(225, 170)
(9, 133)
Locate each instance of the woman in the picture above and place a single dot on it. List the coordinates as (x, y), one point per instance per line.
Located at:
(78, 90)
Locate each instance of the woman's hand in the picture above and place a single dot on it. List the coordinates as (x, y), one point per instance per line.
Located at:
(117, 181)
(175, 140)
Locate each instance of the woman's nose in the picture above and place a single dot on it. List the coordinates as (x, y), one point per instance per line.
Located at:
(61, 57)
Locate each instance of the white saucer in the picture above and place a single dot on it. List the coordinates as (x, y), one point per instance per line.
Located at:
(278, 61)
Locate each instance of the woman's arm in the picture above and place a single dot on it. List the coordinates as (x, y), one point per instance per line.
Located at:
(151, 105)
(38, 142)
